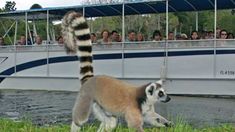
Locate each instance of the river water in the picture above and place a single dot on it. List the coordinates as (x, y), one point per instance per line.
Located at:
(50, 107)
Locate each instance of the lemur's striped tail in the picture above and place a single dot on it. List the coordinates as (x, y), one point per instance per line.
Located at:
(76, 35)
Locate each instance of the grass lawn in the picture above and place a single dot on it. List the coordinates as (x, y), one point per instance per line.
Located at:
(7, 125)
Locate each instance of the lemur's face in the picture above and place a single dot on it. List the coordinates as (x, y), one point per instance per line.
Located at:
(156, 93)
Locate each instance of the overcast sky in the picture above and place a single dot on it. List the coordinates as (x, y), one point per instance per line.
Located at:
(26, 4)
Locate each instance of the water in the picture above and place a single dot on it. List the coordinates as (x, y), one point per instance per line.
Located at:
(43, 107)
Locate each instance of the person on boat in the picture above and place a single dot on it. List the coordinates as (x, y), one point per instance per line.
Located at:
(22, 40)
(171, 36)
(38, 40)
(114, 36)
(31, 38)
(93, 38)
(119, 38)
(105, 37)
(218, 32)
(2, 41)
(230, 36)
(157, 36)
(184, 36)
(140, 36)
(223, 34)
(194, 35)
(209, 35)
(131, 36)
(60, 40)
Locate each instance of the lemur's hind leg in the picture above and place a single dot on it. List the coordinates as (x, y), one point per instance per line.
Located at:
(155, 119)
(108, 122)
(81, 111)
(134, 119)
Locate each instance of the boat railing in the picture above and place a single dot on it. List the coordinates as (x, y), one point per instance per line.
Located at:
(170, 44)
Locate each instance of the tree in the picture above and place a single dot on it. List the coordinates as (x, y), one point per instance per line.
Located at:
(10, 6)
(36, 6)
(226, 20)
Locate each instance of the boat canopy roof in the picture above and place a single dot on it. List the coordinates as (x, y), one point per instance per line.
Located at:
(116, 9)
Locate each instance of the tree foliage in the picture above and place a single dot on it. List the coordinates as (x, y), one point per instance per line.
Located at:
(10, 6)
(36, 6)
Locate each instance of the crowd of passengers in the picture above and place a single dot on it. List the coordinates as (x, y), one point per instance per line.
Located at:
(32, 40)
(107, 37)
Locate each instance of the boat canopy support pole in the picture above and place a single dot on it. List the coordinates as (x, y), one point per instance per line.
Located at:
(15, 52)
(47, 27)
(26, 25)
(196, 21)
(53, 34)
(163, 73)
(91, 25)
(34, 28)
(123, 37)
(48, 40)
(16, 30)
(215, 39)
(83, 12)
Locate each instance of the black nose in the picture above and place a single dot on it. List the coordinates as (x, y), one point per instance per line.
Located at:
(168, 124)
(167, 99)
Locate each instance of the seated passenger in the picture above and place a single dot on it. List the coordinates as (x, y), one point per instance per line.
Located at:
(2, 43)
(218, 32)
(22, 40)
(38, 40)
(184, 36)
(171, 36)
(31, 38)
(223, 34)
(93, 38)
(105, 37)
(131, 36)
(115, 36)
(60, 40)
(140, 37)
(194, 35)
(178, 36)
(157, 36)
(209, 35)
(230, 36)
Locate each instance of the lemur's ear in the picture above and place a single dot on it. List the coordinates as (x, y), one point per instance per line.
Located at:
(159, 83)
(149, 90)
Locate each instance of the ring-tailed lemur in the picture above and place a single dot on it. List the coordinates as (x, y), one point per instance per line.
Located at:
(106, 96)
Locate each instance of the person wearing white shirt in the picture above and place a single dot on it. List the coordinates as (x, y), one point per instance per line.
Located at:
(38, 40)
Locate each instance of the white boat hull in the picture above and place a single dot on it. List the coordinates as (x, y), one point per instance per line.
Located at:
(192, 71)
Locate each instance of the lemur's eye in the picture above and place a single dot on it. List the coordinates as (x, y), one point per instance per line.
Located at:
(160, 94)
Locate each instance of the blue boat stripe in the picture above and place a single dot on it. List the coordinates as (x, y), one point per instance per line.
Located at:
(63, 59)
(144, 54)
(60, 59)
(108, 56)
(186, 53)
(225, 51)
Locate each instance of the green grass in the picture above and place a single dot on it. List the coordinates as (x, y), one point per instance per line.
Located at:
(7, 125)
